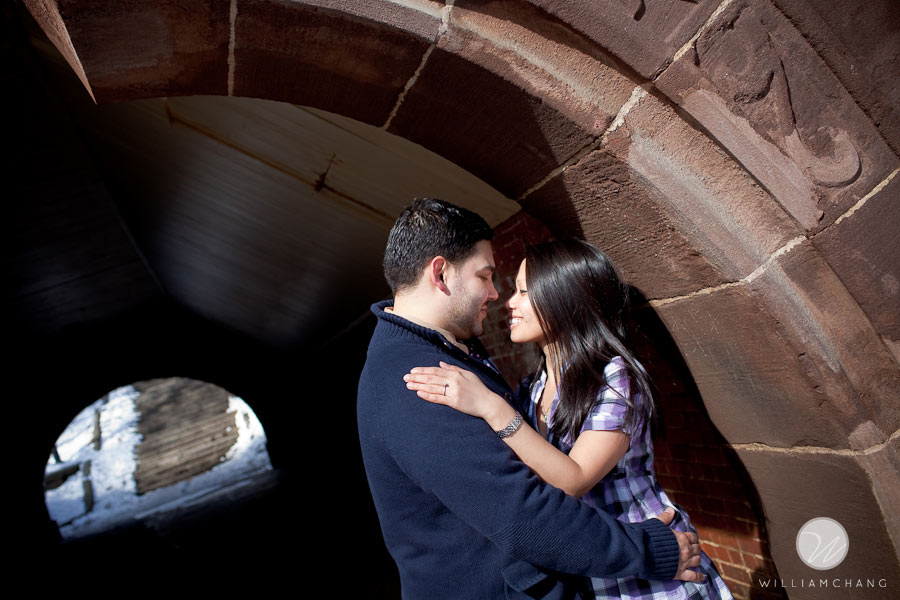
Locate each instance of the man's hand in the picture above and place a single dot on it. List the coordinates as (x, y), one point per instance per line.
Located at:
(688, 550)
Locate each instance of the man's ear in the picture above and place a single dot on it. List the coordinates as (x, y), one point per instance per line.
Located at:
(437, 270)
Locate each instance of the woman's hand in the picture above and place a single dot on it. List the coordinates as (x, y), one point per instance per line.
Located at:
(461, 390)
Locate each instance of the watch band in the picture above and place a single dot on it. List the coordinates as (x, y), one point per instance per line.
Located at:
(511, 428)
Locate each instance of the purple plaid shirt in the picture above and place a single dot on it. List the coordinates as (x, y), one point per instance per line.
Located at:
(630, 491)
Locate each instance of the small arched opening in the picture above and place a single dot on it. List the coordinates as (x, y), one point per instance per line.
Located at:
(146, 454)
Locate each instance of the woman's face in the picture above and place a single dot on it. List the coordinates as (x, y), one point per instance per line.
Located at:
(523, 322)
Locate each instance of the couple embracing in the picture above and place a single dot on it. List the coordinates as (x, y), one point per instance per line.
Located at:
(546, 492)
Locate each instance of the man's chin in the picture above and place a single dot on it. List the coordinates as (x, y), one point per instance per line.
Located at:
(471, 332)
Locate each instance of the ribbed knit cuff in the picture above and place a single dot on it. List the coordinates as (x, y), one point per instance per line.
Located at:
(664, 547)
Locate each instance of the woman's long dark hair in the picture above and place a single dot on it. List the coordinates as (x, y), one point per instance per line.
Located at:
(582, 306)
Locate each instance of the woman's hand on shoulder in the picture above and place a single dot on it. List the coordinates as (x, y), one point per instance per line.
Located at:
(457, 388)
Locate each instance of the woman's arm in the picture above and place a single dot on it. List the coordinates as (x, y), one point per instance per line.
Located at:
(594, 454)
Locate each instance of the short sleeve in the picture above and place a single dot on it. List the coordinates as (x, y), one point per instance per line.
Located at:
(609, 413)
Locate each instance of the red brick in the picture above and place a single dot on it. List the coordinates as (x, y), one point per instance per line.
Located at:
(714, 551)
(751, 545)
(736, 573)
(741, 591)
(730, 540)
(736, 558)
(754, 562)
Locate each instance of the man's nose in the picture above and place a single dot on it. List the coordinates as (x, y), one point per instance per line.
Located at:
(492, 293)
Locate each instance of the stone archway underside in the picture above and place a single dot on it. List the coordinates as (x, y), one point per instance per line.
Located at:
(737, 159)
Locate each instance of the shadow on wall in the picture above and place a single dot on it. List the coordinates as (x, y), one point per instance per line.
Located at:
(698, 468)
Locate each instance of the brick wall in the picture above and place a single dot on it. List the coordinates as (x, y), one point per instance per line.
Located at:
(510, 239)
(694, 464)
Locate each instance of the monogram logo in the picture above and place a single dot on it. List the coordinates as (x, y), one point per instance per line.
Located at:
(822, 543)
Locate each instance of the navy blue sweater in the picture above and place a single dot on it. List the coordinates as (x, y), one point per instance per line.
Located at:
(461, 515)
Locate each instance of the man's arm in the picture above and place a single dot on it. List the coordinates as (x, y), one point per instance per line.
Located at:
(594, 453)
(460, 460)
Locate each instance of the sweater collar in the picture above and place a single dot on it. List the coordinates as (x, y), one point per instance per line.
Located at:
(447, 335)
(384, 310)
(402, 326)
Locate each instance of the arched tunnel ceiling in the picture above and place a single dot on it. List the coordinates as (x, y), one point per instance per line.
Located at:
(267, 217)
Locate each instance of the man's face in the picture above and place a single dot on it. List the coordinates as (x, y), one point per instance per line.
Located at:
(471, 287)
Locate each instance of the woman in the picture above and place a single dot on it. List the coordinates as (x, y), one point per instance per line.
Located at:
(589, 401)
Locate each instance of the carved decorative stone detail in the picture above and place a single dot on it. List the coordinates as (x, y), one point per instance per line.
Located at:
(645, 35)
(755, 83)
(749, 65)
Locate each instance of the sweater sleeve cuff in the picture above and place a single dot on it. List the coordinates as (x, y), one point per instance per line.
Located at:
(663, 547)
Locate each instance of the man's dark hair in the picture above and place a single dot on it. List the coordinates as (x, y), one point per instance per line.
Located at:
(427, 228)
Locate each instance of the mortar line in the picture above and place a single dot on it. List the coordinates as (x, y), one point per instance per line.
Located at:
(636, 94)
(690, 43)
(859, 203)
(232, 18)
(421, 6)
(408, 86)
(700, 292)
(445, 23)
(790, 245)
(759, 447)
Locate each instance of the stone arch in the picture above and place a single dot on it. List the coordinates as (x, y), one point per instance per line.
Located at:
(745, 191)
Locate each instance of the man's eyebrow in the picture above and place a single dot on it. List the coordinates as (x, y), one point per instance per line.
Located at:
(490, 268)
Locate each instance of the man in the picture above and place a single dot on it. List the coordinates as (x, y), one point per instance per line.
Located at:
(461, 515)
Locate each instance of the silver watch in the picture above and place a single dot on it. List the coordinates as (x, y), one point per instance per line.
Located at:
(511, 428)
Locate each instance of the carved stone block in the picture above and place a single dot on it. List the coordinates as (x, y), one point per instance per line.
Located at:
(135, 49)
(864, 251)
(801, 486)
(837, 346)
(727, 217)
(467, 104)
(323, 58)
(860, 43)
(542, 56)
(764, 94)
(643, 34)
(750, 372)
(606, 203)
